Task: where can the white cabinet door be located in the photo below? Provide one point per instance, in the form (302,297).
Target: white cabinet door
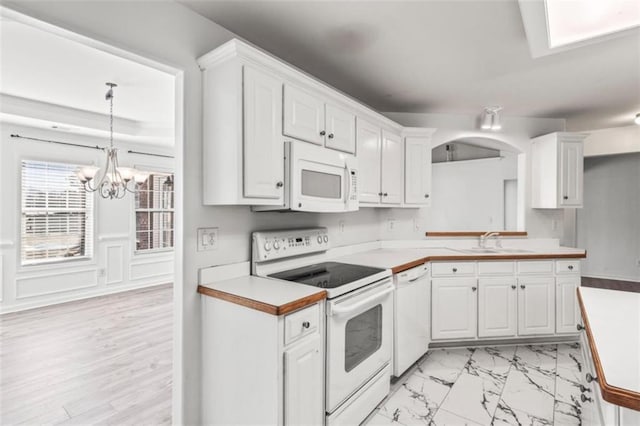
(369,148)
(417,181)
(303,115)
(567,309)
(341,129)
(571,174)
(497,298)
(536,305)
(263,164)
(304,383)
(392,185)
(454,305)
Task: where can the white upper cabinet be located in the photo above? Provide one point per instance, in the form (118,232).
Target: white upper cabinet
(341,129)
(309,118)
(369,138)
(417,166)
(557,170)
(392,183)
(303,116)
(263,145)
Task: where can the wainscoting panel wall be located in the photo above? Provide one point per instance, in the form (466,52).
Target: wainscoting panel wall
(115,264)
(50,283)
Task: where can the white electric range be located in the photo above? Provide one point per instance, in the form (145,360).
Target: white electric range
(359,316)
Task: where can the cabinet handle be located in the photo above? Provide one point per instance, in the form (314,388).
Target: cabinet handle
(380,194)
(455,270)
(571,267)
(591,378)
(565,198)
(583,398)
(513,287)
(426,195)
(522,286)
(385,194)
(330,136)
(279,184)
(322,133)
(306,324)
(583,388)
(474,288)
(580,327)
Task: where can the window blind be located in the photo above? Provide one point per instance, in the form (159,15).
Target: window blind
(154,213)
(57,214)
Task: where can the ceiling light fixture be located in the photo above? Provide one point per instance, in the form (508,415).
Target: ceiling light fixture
(114,180)
(491,118)
(637,119)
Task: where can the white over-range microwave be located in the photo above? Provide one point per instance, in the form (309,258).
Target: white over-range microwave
(317,179)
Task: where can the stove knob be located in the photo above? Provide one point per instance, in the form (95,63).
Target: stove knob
(276,245)
(326,239)
(319,239)
(267,246)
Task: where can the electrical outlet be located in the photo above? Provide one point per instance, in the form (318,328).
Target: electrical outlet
(416,223)
(391,224)
(341,226)
(207,239)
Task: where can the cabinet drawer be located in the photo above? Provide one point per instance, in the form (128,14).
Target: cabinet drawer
(535,267)
(301,323)
(453,269)
(568,267)
(496,268)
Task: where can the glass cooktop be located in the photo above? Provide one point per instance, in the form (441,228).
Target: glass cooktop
(327,274)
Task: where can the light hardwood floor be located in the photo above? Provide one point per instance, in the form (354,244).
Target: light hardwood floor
(105,360)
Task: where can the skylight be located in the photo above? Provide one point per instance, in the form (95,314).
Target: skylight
(572,21)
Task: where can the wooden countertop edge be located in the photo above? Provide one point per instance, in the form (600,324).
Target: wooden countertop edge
(615,395)
(473,233)
(466,257)
(262,306)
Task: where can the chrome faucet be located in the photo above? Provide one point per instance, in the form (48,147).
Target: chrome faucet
(485,237)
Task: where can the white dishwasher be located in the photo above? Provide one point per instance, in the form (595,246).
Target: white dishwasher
(412,316)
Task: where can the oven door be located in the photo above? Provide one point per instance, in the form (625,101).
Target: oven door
(359,339)
(321,180)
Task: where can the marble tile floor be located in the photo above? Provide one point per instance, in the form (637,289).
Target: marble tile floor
(502,385)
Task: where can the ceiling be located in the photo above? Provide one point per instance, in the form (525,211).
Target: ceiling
(441,57)
(45,70)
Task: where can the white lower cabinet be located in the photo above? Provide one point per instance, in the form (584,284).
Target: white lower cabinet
(497,300)
(275,362)
(303,383)
(536,305)
(454,308)
(567,309)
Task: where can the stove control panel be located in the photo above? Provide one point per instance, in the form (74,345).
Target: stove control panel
(272,245)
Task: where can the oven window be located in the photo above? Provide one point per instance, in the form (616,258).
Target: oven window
(321,185)
(363,337)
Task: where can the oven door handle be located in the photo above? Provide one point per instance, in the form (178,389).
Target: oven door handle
(344,310)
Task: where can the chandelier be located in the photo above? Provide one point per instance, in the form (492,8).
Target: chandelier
(112,181)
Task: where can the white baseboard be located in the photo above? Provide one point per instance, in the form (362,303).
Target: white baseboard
(103,291)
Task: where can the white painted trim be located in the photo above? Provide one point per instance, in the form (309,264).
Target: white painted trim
(132,265)
(102,292)
(108,266)
(223,272)
(113,237)
(6,243)
(54,291)
(1,277)
(418,132)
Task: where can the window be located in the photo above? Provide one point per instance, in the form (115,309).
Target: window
(57,214)
(154,213)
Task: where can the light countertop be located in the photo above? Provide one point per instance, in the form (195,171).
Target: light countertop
(612,320)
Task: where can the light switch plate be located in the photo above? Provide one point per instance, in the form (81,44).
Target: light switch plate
(207,239)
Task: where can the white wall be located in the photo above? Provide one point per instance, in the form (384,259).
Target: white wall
(114,266)
(609,224)
(517,132)
(619,140)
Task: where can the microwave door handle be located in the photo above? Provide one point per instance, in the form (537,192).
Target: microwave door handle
(344,310)
(346,167)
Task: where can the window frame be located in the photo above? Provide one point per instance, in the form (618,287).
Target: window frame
(54,263)
(134,229)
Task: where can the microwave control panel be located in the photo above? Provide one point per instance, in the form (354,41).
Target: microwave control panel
(354,186)
(272,245)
